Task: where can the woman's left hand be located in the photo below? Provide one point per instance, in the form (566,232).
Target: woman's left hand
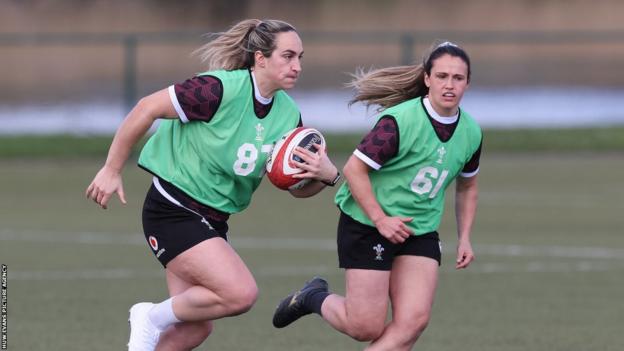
(315,165)
(465,255)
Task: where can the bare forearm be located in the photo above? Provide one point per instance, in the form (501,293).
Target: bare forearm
(136,124)
(108,179)
(356,174)
(466,199)
(128,134)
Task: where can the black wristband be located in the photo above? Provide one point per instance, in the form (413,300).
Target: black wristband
(333,182)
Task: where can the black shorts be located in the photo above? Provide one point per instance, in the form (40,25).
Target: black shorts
(361,246)
(171,229)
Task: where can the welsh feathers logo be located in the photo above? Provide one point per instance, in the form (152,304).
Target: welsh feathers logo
(378,250)
(441,152)
(153,243)
(259,129)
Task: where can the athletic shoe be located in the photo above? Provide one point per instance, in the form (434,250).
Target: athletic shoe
(143,334)
(294,306)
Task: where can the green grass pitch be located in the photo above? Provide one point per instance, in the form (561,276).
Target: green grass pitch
(549,239)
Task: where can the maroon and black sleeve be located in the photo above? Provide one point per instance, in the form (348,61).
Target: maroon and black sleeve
(473,164)
(381,143)
(199,98)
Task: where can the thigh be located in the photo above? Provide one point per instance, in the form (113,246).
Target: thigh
(213,264)
(413,284)
(366,296)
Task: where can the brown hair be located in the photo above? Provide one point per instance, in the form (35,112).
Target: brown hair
(390,86)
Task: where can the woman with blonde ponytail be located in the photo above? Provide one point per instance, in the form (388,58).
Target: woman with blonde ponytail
(215,134)
(393,199)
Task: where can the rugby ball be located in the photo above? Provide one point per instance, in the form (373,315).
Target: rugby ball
(282,163)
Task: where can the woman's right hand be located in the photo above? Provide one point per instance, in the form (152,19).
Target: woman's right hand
(394,228)
(106,182)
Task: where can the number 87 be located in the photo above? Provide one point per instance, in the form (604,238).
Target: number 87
(247,155)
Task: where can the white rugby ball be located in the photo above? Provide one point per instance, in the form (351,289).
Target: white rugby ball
(282,163)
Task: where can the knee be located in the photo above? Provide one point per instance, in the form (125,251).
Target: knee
(241,299)
(420,323)
(366,331)
(412,328)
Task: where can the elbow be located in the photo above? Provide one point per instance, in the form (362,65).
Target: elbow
(145,110)
(154,106)
(143,104)
(465,185)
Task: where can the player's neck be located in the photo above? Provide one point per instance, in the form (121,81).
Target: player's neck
(261,89)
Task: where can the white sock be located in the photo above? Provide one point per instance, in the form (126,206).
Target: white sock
(162,316)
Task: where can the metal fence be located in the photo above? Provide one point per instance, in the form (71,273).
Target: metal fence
(530,57)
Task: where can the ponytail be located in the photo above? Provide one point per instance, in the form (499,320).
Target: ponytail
(387,87)
(235,48)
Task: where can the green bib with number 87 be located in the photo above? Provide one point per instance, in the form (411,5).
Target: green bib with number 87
(220,163)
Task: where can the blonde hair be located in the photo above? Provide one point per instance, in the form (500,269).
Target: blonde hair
(390,86)
(235,48)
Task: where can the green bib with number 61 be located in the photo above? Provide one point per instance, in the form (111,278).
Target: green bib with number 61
(220,163)
(412,184)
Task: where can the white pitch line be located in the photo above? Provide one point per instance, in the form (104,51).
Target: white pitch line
(550,251)
(538,267)
(527,199)
(312,244)
(85,274)
(308,271)
(89,238)
(127,273)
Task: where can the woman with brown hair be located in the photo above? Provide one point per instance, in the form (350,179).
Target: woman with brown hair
(393,199)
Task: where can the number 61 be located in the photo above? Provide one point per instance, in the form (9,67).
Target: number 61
(422,183)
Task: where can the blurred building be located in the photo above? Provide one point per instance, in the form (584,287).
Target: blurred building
(512,42)
(76,50)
